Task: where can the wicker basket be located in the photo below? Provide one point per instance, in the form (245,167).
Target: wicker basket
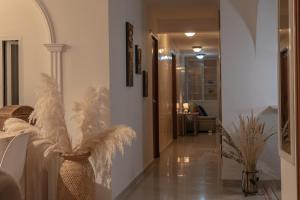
(76,179)
(15,111)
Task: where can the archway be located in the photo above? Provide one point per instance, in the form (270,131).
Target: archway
(31,27)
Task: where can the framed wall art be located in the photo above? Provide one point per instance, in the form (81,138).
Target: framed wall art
(145,83)
(129,54)
(138,60)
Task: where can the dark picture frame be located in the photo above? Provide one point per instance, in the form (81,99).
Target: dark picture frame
(145,83)
(138,60)
(129,54)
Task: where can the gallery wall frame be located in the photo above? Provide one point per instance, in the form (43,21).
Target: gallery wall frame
(138,59)
(129,54)
(145,84)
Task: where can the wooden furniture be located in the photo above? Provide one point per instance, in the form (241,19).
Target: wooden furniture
(183,119)
(206,124)
(15,111)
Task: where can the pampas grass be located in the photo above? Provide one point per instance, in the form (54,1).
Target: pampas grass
(92,116)
(252,139)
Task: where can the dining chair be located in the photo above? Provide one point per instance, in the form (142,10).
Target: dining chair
(13,160)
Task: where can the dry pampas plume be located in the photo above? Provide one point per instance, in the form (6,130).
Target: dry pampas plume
(92,116)
(251,143)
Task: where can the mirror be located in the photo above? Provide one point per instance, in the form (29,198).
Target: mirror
(285,78)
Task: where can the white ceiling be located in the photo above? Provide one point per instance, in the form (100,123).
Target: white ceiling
(174,17)
(208,40)
(185,15)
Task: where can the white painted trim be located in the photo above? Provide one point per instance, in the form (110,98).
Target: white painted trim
(135,180)
(167,145)
(56,51)
(47,19)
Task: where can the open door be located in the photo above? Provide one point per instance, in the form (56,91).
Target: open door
(155,97)
(297,54)
(174,97)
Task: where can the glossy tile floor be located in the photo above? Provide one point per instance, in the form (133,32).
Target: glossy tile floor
(188,170)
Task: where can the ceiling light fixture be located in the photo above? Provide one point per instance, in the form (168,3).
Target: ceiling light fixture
(190,34)
(200,56)
(197,49)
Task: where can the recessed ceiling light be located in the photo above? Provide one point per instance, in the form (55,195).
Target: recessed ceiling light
(197,49)
(200,56)
(190,34)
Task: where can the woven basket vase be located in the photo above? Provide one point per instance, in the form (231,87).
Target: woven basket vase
(76,179)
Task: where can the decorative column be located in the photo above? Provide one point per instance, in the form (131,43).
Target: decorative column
(56,51)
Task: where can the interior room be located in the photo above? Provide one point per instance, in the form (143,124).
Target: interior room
(149,99)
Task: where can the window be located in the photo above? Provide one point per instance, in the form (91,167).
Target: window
(10,72)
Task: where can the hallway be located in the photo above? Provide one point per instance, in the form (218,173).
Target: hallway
(188,170)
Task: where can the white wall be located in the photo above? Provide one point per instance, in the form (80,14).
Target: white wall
(83,27)
(28,26)
(288,181)
(127,103)
(249,69)
(165,94)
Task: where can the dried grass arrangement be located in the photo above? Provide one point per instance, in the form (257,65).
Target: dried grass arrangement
(92,119)
(251,142)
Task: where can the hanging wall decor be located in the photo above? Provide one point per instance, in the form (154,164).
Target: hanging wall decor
(138,60)
(129,54)
(145,83)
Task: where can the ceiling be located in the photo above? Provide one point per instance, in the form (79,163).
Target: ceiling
(208,40)
(184,15)
(175,17)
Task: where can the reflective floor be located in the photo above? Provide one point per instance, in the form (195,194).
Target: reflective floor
(188,170)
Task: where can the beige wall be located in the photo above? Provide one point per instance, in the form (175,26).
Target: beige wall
(83,27)
(128,105)
(249,65)
(165,93)
(288,181)
(28,26)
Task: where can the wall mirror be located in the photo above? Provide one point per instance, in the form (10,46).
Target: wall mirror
(286,81)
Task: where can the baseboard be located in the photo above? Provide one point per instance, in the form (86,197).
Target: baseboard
(140,176)
(135,181)
(165,147)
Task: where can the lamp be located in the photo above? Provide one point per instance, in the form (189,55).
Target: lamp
(197,49)
(186,107)
(200,56)
(190,34)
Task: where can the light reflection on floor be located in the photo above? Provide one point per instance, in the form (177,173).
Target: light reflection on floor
(188,170)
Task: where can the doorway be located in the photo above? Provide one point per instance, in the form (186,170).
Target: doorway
(174,97)
(155,98)
(10,72)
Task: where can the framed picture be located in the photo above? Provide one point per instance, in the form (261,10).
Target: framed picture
(138,60)
(129,54)
(287,84)
(145,83)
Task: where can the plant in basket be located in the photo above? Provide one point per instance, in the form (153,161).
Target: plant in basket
(98,142)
